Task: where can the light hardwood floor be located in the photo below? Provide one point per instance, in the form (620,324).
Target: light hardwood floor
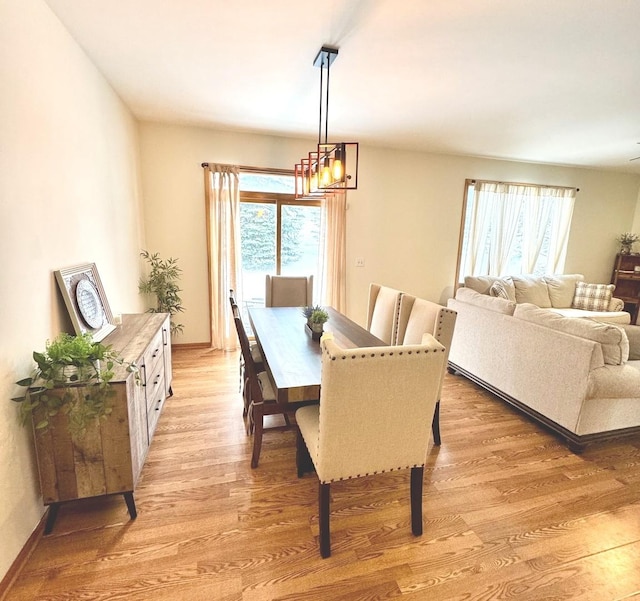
(509,513)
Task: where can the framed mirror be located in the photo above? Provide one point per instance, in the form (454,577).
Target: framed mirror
(85,300)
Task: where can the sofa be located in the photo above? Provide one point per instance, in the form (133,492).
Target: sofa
(566,294)
(580,377)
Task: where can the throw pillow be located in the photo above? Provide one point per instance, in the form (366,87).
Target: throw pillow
(592,297)
(503,288)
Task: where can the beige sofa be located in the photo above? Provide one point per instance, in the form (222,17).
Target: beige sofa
(579,377)
(559,293)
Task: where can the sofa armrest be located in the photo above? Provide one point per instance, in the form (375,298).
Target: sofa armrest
(616,304)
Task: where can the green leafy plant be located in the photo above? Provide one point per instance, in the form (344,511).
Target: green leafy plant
(162,282)
(627,239)
(308,311)
(72,376)
(319,316)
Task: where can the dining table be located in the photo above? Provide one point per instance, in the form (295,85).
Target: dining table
(292,356)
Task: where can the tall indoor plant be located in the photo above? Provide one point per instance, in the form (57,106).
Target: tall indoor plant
(162,282)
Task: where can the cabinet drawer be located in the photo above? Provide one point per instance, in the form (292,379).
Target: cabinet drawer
(154,384)
(155,402)
(153,353)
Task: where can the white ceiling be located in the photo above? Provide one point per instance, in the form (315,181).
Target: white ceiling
(551,81)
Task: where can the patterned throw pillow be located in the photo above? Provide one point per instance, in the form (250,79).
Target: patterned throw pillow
(592,297)
(503,288)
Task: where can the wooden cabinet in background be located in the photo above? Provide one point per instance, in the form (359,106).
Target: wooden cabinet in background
(626,278)
(108,458)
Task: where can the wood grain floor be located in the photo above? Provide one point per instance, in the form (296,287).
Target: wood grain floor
(510,513)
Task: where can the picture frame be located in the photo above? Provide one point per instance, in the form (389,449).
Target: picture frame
(85,300)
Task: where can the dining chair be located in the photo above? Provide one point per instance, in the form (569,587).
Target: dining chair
(382,312)
(417,317)
(259,395)
(376,405)
(288,291)
(256,355)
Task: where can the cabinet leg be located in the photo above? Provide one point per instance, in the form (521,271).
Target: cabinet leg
(51,517)
(131,504)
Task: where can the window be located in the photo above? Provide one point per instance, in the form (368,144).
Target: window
(513,228)
(278,234)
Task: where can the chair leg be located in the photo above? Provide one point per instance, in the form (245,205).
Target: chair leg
(435,425)
(324,503)
(416,500)
(257,411)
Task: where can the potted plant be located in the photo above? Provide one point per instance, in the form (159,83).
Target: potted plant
(627,240)
(72,376)
(318,318)
(162,281)
(308,312)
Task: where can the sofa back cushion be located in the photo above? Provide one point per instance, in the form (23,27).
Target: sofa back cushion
(612,338)
(592,297)
(499,305)
(562,288)
(532,289)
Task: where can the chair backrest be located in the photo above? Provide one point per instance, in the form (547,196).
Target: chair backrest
(251,373)
(376,407)
(382,312)
(418,316)
(288,291)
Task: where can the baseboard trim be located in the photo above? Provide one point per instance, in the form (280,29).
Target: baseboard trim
(20,561)
(190,345)
(576,442)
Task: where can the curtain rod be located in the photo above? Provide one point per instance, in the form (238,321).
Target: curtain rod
(491,181)
(256,169)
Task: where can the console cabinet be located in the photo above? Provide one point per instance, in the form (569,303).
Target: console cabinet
(626,278)
(108,457)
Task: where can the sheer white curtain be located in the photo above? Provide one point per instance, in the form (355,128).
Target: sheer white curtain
(504,203)
(222,197)
(559,203)
(515,228)
(333,259)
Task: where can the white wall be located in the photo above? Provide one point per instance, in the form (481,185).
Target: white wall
(404,219)
(69,194)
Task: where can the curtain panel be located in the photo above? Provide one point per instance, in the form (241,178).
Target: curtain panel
(222,198)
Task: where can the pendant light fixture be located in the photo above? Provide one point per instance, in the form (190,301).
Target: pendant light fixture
(331,166)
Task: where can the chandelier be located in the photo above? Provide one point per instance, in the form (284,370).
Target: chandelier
(331,166)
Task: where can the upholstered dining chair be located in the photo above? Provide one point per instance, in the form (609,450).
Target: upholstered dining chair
(382,312)
(288,291)
(376,405)
(417,317)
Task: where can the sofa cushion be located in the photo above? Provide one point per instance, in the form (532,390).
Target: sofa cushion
(503,288)
(532,289)
(480,283)
(499,305)
(562,288)
(616,317)
(612,338)
(593,297)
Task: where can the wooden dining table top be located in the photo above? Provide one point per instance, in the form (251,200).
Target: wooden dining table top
(292,357)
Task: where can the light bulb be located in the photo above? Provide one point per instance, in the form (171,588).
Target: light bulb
(325,174)
(337,169)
